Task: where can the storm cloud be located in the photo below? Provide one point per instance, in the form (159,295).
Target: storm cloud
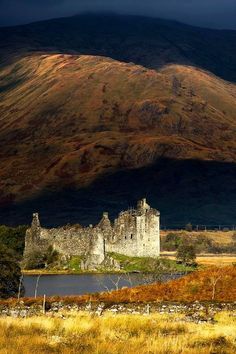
(208,13)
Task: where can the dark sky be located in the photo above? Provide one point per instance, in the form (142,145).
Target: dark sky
(208,13)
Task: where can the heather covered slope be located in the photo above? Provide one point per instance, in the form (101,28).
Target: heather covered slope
(67,120)
(217,284)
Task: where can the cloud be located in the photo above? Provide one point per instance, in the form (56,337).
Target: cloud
(210,13)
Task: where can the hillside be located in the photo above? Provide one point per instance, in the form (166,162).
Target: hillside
(66,120)
(149,42)
(197,286)
(83,133)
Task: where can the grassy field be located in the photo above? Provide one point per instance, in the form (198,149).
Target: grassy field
(216,260)
(207,259)
(110,334)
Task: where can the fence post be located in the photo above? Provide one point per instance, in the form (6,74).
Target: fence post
(20,285)
(44,304)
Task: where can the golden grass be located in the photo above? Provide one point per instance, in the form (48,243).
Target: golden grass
(109,334)
(208,259)
(216,260)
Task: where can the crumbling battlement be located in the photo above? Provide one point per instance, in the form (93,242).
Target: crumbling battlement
(136,232)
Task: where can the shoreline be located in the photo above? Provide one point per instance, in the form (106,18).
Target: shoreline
(69,272)
(203,260)
(34,272)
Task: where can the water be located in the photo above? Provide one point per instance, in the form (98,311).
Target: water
(79,284)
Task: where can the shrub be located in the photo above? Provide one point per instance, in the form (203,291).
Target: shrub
(40,260)
(202,243)
(51,256)
(36,260)
(217,248)
(171,242)
(186,253)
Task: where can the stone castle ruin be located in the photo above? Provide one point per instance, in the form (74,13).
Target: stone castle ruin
(136,232)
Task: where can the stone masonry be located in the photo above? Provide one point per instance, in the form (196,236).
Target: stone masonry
(136,232)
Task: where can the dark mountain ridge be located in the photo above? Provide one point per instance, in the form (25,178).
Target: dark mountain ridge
(149,42)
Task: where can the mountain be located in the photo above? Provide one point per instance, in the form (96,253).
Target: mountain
(97,111)
(149,42)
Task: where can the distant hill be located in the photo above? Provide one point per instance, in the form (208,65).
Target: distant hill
(145,41)
(89,130)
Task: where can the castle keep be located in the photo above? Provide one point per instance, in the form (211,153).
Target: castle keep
(136,232)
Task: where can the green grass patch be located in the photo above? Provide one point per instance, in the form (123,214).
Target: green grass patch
(74,263)
(149,265)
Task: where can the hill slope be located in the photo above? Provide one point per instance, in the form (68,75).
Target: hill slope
(145,41)
(81,133)
(67,120)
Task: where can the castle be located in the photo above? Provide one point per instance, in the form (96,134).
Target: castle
(136,232)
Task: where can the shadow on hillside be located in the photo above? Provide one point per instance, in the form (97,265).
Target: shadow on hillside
(184,191)
(146,41)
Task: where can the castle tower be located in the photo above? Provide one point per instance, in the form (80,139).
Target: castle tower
(105,223)
(142,205)
(33,243)
(35,220)
(147,230)
(35,227)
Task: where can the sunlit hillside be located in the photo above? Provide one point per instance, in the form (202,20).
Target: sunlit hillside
(67,120)
(78,110)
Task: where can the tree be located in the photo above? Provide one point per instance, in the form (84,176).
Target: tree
(13,238)
(10,273)
(186,253)
(215,275)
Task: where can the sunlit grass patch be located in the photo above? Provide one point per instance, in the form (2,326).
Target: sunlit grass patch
(117,334)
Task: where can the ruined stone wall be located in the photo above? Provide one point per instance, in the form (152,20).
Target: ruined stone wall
(67,241)
(135,232)
(124,238)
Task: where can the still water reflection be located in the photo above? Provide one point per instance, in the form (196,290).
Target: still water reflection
(83,283)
